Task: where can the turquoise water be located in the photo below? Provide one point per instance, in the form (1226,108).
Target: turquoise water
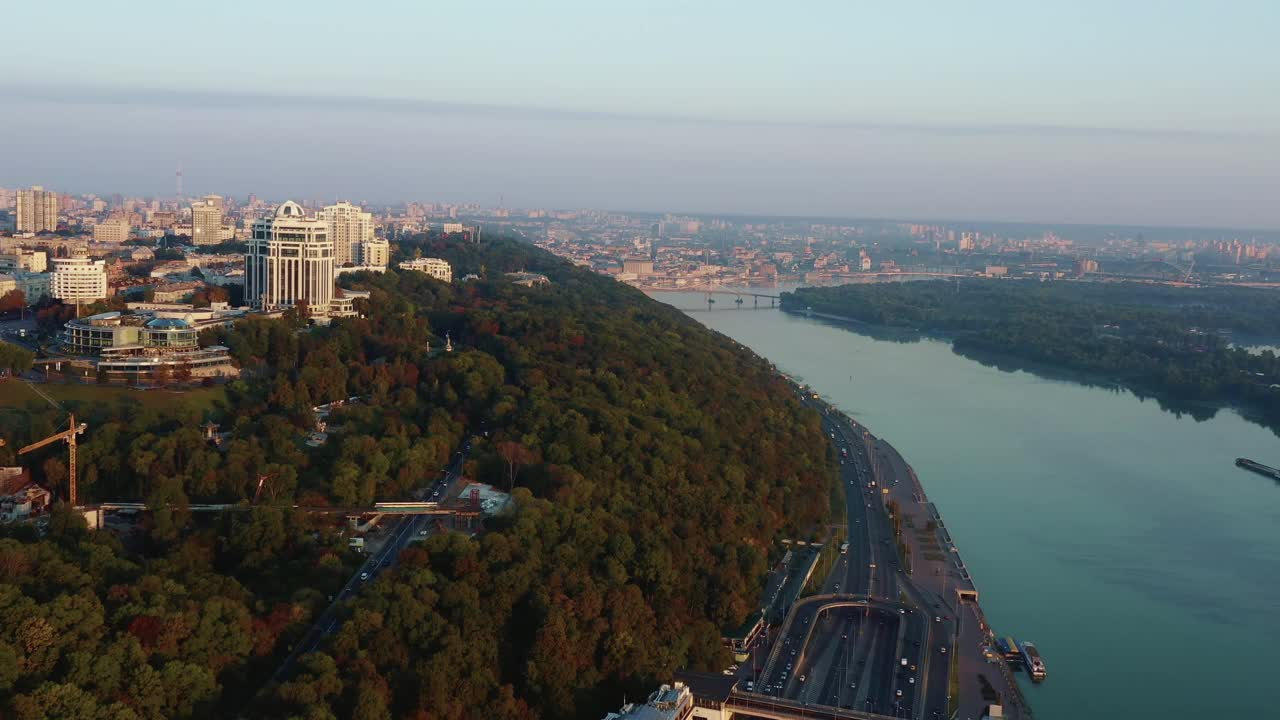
(1118,537)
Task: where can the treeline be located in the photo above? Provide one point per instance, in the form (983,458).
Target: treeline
(653,462)
(1172,341)
(184,626)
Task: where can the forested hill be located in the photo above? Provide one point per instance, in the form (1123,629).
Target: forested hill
(1173,341)
(655,464)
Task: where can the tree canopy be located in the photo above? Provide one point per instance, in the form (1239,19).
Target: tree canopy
(653,464)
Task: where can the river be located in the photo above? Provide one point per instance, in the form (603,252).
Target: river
(1120,538)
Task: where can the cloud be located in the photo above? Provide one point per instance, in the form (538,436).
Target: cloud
(186,99)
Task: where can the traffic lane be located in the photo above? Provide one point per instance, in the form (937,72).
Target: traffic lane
(940,652)
(835,668)
(329,620)
(778,676)
(884,648)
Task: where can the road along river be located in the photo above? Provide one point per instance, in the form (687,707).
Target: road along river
(1116,536)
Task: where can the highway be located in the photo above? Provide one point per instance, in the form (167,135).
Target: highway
(848,656)
(398,536)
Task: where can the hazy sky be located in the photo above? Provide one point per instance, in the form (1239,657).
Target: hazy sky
(1112,112)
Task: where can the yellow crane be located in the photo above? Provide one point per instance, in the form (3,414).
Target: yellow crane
(70,436)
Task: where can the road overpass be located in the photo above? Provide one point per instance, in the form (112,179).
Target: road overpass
(722,698)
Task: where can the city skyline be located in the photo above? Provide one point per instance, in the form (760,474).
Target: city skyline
(997,112)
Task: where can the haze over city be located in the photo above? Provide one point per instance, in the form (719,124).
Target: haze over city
(1143,113)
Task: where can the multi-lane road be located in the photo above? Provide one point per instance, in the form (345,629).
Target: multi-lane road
(871,641)
(397,537)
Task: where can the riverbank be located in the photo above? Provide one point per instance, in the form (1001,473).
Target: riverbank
(1072,504)
(1198,408)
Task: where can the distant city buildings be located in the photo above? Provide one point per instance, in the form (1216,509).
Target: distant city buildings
(638,266)
(290,261)
(37,211)
(435,267)
(79,279)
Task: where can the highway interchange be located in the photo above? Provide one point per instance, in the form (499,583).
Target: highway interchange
(847,646)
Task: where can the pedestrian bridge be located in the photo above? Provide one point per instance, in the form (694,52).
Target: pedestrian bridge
(385,508)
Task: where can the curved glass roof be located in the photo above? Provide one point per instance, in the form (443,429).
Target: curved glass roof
(168,324)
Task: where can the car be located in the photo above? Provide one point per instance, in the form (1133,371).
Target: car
(911,681)
(901,611)
(727,671)
(943,649)
(422,532)
(801,678)
(364,576)
(937,618)
(898,693)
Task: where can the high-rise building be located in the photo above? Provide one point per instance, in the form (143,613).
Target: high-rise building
(290,260)
(349,228)
(115,230)
(37,210)
(375,252)
(78,278)
(206,221)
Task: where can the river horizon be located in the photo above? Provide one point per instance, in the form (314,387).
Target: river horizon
(1116,535)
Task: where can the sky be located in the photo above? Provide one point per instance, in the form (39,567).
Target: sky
(1148,113)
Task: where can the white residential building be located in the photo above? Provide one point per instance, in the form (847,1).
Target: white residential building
(350,227)
(36,261)
(78,278)
(290,260)
(375,252)
(435,267)
(115,230)
(37,210)
(206,221)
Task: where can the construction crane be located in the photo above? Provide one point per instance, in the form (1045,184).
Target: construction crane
(70,436)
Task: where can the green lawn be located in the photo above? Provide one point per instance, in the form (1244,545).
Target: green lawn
(17,394)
